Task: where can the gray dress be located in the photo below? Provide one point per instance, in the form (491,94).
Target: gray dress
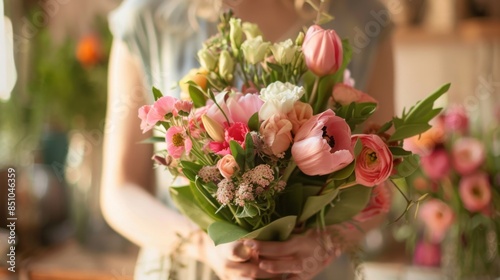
(160,34)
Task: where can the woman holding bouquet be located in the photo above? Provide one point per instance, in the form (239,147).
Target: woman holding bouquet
(155,45)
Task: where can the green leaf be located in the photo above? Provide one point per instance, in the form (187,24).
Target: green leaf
(157,93)
(152,140)
(290,202)
(249,151)
(183,199)
(399,152)
(238,153)
(356,113)
(409,130)
(386,126)
(424,106)
(325,88)
(348,203)
(275,67)
(248,211)
(343,173)
(253,122)
(208,203)
(279,230)
(358,147)
(407,166)
(197,95)
(314,204)
(190,169)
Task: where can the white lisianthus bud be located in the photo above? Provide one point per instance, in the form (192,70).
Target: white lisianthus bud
(254,50)
(300,39)
(284,52)
(235,33)
(279,98)
(251,30)
(208,59)
(226,65)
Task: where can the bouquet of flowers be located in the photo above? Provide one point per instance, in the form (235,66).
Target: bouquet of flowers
(265,135)
(460,174)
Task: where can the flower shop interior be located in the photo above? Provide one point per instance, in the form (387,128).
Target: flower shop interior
(53,98)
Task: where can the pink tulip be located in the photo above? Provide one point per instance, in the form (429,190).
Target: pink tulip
(177,141)
(235,131)
(475,191)
(238,107)
(143,115)
(436,164)
(345,95)
(322,51)
(322,145)
(276,134)
(163,107)
(374,163)
(437,217)
(380,202)
(456,119)
(427,254)
(467,155)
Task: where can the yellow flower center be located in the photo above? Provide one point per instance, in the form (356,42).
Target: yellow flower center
(371,157)
(178,139)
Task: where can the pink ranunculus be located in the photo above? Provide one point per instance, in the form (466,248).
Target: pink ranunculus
(177,141)
(143,115)
(227,166)
(322,145)
(322,51)
(299,115)
(235,131)
(456,119)
(238,107)
(276,134)
(436,165)
(475,191)
(467,155)
(161,109)
(345,95)
(427,254)
(182,107)
(380,202)
(374,163)
(437,217)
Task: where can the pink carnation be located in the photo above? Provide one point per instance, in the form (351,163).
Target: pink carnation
(467,155)
(475,191)
(345,95)
(237,132)
(436,164)
(456,119)
(437,217)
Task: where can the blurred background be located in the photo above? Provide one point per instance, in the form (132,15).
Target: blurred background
(51,126)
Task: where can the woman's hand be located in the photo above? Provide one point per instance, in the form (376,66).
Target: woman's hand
(300,257)
(231,260)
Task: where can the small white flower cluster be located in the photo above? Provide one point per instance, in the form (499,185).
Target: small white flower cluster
(209,174)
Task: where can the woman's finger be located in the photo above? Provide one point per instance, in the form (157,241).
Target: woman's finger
(235,270)
(272,249)
(281,266)
(235,251)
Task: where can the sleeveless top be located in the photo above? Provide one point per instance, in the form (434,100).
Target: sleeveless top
(161,35)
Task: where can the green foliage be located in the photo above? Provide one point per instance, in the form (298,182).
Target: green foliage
(349,202)
(356,113)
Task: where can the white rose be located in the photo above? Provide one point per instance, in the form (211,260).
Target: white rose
(284,52)
(255,49)
(279,98)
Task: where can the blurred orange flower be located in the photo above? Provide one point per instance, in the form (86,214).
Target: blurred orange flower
(89,50)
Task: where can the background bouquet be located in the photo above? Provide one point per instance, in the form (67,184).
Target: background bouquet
(460,172)
(269,136)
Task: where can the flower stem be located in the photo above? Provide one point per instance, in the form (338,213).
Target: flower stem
(314,91)
(347,185)
(238,221)
(288,171)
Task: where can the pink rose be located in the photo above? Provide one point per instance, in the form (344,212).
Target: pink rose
(235,131)
(227,166)
(456,119)
(299,115)
(276,134)
(437,217)
(436,164)
(345,95)
(475,191)
(322,51)
(143,115)
(374,163)
(380,202)
(177,141)
(427,254)
(467,155)
(322,145)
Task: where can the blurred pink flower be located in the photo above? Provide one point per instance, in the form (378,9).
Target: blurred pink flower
(238,107)
(162,108)
(456,119)
(380,202)
(467,155)
(177,141)
(182,107)
(437,217)
(345,95)
(427,254)
(374,163)
(143,115)
(235,131)
(195,123)
(322,50)
(348,80)
(436,165)
(322,145)
(227,166)
(276,134)
(475,191)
